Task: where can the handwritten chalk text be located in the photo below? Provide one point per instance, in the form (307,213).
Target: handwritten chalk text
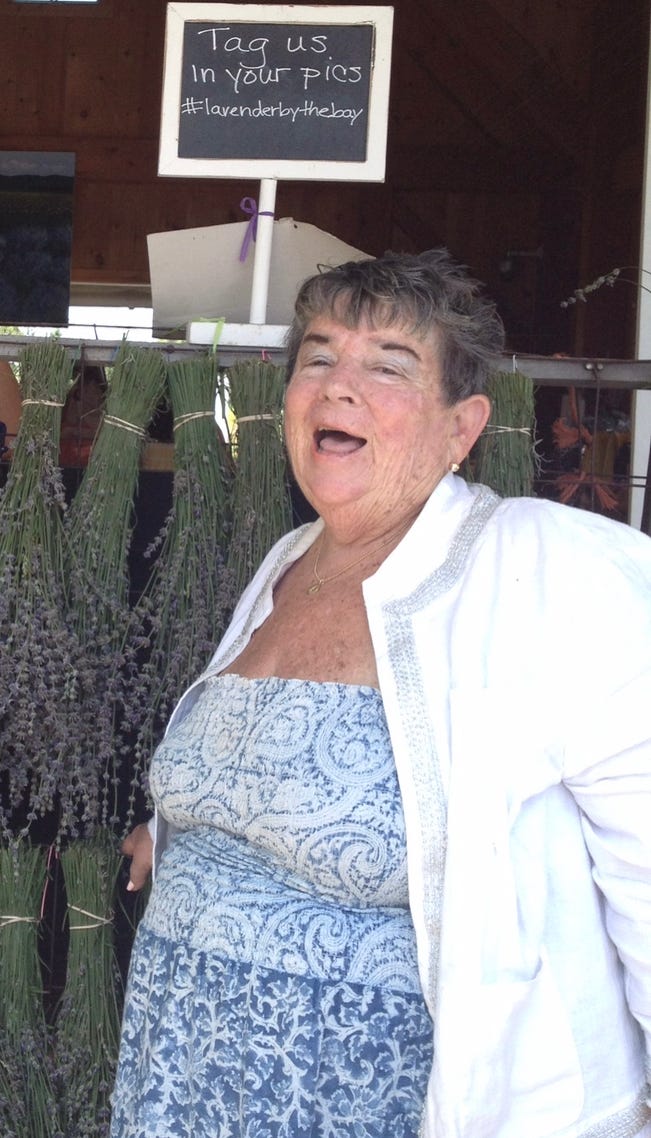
(250,64)
(258,45)
(249,76)
(309,109)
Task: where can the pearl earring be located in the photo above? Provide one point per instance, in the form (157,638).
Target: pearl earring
(454,466)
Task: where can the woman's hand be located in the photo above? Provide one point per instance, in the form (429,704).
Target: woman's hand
(139,847)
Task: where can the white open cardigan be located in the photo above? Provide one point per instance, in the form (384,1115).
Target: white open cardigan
(513,648)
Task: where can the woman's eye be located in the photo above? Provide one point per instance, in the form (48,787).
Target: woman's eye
(386,369)
(317,361)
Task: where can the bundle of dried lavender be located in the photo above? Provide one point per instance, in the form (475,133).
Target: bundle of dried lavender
(27,1102)
(261,507)
(87,1026)
(40,657)
(506,451)
(189,596)
(98,528)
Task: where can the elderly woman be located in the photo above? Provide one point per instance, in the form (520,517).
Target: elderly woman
(403,836)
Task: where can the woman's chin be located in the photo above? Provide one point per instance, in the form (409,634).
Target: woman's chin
(337,485)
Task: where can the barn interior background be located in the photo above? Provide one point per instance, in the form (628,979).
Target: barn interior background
(516,139)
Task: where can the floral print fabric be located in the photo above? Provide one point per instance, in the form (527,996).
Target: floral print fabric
(273,989)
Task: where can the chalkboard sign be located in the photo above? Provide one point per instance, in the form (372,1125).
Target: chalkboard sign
(275,91)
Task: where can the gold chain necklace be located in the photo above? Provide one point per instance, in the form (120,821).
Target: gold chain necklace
(319,581)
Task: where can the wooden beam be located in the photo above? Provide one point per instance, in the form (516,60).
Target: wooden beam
(440,167)
(492,73)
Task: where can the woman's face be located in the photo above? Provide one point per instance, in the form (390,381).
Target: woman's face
(368,430)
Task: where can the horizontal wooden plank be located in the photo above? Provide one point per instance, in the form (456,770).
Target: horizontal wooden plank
(493,73)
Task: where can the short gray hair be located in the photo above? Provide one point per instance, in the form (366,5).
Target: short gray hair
(425,292)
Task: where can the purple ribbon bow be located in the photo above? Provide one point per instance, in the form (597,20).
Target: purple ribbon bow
(249,206)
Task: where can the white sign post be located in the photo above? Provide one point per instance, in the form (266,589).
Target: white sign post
(263,246)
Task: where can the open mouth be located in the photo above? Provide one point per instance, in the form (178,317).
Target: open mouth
(337,442)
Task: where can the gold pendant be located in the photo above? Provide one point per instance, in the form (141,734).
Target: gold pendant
(314,588)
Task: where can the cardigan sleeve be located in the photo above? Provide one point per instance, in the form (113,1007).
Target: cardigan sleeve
(608,770)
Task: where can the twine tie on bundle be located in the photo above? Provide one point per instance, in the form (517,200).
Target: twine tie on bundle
(97,921)
(113,421)
(42,403)
(190,416)
(6,920)
(256,418)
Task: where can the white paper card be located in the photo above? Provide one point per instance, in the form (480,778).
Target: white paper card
(197,274)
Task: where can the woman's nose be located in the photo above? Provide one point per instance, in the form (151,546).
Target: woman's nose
(340,383)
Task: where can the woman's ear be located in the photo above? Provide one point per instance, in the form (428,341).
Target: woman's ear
(468,421)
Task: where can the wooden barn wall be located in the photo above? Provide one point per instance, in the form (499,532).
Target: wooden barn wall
(515,125)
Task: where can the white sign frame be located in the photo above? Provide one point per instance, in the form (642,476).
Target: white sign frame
(372,169)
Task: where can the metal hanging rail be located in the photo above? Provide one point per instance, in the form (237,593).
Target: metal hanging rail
(545,371)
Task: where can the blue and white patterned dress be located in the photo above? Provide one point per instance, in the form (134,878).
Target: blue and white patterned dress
(273,988)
